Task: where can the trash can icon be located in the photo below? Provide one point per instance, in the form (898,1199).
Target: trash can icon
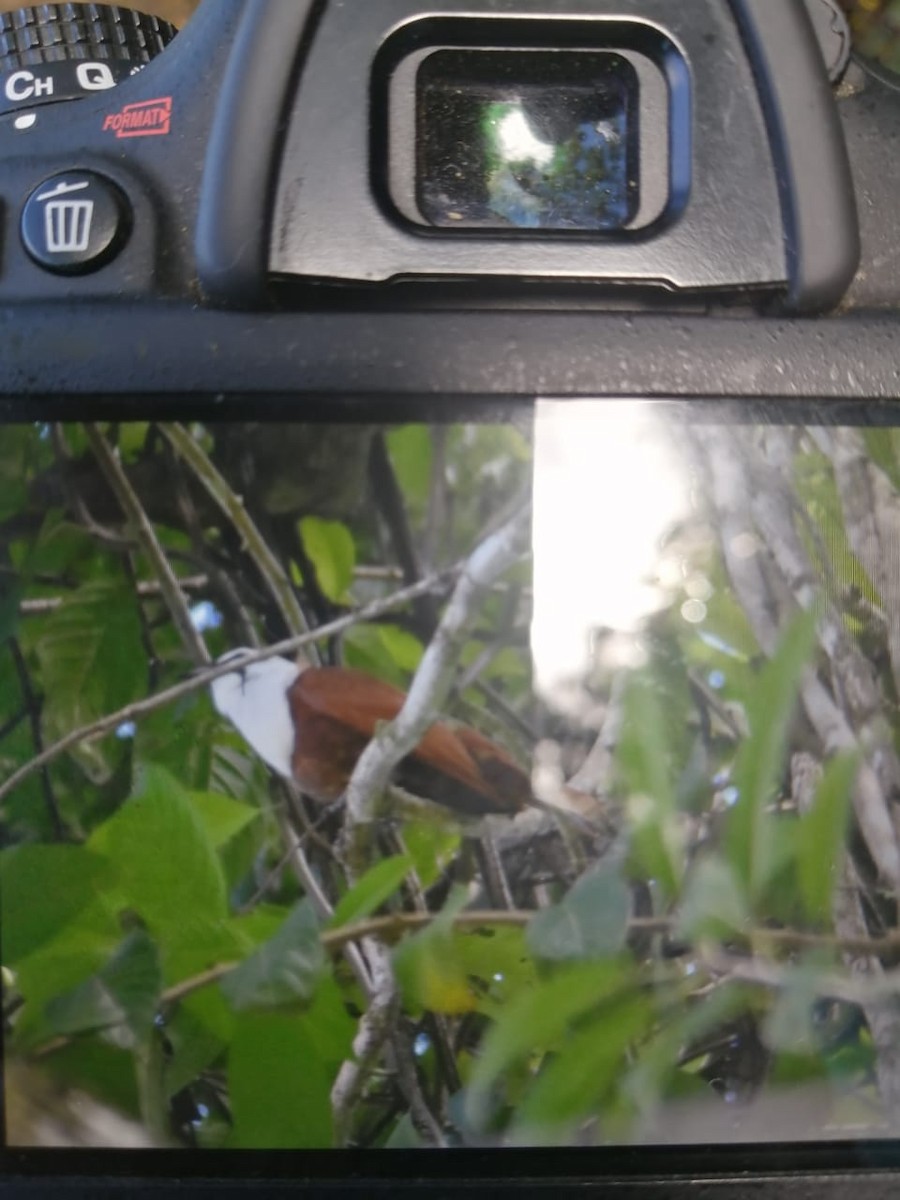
(67,222)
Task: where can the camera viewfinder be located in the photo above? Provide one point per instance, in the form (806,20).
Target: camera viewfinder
(527,139)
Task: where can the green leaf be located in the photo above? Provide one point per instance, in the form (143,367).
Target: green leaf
(645,761)
(192,1043)
(123,996)
(169,870)
(91,657)
(60,548)
(821,836)
(60,966)
(536,1020)
(332,551)
(431,848)
(377,885)
(281,1068)
(587,1068)
(715,904)
(283,971)
(496,959)
(751,837)
(883,447)
(327,1020)
(131,439)
(222,817)
(431,971)
(410,452)
(591,921)
(279,1086)
(789,1025)
(259,925)
(404,647)
(387,651)
(44,889)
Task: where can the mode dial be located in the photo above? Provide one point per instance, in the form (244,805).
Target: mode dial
(54,52)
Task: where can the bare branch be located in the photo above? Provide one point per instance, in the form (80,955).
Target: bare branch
(374,1030)
(833,986)
(233,507)
(198,682)
(771,578)
(146,587)
(33,711)
(309,883)
(871,509)
(430,686)
(140,522)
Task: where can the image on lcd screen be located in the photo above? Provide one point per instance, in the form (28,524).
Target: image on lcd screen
(527,140)
(632,876)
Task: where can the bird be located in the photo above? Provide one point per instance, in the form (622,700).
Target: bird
(311,725)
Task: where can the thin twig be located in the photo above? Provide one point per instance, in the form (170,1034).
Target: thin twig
(187,987)
(424,1121)
(13,723)
(392,505)
(374,1030)
(146,587)
(140,522)
(233,507)
(394,925)
(198,682)
(220,580)
(306,878)
(835,987)
(33,710)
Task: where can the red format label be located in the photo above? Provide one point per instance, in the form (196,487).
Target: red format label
(149,118)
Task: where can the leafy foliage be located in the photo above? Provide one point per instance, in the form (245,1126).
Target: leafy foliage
(167,956)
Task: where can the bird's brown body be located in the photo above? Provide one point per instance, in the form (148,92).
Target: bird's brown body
(336,711)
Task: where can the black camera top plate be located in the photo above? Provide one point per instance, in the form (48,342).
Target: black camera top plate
(143,325)
(762,198)
(770,204)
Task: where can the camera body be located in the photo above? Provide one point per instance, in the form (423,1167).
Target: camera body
(278,209)
(364,211)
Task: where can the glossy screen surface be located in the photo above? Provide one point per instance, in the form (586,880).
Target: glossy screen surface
(679,623)
(527,140)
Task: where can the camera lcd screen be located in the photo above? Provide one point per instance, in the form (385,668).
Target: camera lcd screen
(533,140)
(637,886)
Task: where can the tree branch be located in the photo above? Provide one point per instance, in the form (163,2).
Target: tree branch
(198,682)
(145,587)
(430,686)
(233,508)
(369,781)
(33,712)
(140,522)
(748,523)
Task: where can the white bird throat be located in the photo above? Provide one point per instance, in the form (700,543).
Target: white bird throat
(254,699)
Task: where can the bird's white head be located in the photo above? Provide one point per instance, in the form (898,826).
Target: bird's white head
(254,699)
